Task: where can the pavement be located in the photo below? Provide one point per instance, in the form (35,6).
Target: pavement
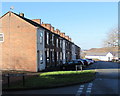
(106,84)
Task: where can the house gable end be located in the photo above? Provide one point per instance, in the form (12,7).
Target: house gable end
(109,55)
(14,15)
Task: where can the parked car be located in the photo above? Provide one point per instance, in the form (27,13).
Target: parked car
(71,62)
(88,61)
(82,62)
(78,62)
(92,61)
(71,65)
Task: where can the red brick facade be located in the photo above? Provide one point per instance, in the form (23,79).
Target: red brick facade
(19,49)
(19,46)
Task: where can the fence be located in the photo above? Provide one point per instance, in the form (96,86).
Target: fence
(8,79)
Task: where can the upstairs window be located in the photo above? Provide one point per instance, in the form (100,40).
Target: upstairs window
(1,37)
(47,38)
(41,37)
(52,39)
(60,43)
(53,55)
(56,42)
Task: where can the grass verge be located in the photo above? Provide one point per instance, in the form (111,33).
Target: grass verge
(54,79)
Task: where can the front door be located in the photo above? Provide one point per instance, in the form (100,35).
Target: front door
(41,61)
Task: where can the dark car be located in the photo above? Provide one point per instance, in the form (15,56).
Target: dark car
(78,63)
(85,62)
(71,65)
(92,61)
(71,62)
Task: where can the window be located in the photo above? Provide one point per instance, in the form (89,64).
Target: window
(56,42)
(47,38)
(1,37)
(57,56)
(41,57)
(52,39)
(64,44)
(60,43)
(53,55)
(41,37)
(60,55)
(48,55)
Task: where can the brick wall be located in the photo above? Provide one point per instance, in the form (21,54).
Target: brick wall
(19,46)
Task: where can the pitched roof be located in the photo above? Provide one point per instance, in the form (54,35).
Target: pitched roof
(96,54)
(114,54)
(101,54)
(33,23)
(28,20)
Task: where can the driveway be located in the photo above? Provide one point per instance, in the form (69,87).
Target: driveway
(105,84)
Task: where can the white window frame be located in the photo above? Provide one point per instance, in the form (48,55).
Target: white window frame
(41,57)
(41,37)
(2,36)
(52,39)
(47,38)
(57,42)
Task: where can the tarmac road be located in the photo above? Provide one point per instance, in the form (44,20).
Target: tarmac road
(105,84)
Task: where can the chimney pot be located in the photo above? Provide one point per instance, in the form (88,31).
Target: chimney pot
(21,14)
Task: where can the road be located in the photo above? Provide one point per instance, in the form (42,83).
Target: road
(105,84)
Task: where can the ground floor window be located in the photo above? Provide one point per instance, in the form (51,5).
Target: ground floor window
(41,57)
(53,56)
(1,37)
(48,56)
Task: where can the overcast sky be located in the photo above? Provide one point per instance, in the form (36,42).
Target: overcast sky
(85,22)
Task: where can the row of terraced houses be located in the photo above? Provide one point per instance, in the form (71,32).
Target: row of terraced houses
(32,45)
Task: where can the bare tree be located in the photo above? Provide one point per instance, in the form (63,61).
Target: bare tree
(112,38)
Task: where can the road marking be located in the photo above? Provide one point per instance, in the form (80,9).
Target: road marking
(80,90)
(89,88)
(81,85)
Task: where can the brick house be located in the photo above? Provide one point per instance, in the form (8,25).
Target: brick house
(30,45)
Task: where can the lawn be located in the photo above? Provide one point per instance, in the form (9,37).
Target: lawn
(54,79)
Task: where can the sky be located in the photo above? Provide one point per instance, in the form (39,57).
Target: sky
(87,23)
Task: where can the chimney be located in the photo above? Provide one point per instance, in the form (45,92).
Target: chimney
(37,21)
(21,14)
(70,39)
(57,31)
(47,26)
(67,37)
(61,34)
(52,29)
(43,24)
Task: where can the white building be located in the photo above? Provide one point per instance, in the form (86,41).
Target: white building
(108,56)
